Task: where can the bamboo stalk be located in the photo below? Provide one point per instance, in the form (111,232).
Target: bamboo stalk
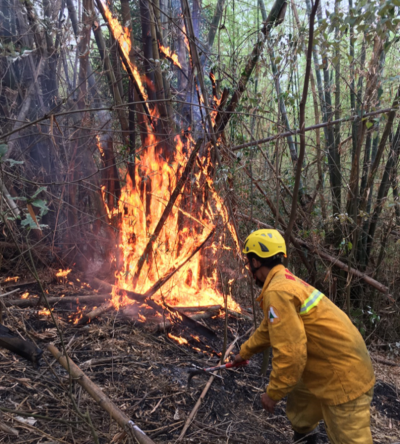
(205,390)
(97,394)
(303,101)
(126,63)
(311,128)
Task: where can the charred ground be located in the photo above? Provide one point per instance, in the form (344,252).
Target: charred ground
(145,374)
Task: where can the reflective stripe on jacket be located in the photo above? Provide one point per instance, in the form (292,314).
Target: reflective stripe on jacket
(312,339)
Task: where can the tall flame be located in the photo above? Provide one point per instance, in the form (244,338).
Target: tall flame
(195,212)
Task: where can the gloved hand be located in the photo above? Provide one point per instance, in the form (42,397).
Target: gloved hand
(237,359)
(268,403)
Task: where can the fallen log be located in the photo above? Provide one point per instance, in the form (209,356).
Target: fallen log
(97,394)
(23,303)
(197,309)
(334,261)
(26,349)
(167,325)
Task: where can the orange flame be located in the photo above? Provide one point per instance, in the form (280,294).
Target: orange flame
(25,295)
(99,146)
(44,312)
(11,279)
(63,273)
(79,313)
(141,205)
(178,339)
(171,55)
(121,34)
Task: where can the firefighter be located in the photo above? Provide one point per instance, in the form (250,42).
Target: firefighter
(320,361)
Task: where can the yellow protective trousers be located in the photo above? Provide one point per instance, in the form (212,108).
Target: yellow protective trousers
(347,423)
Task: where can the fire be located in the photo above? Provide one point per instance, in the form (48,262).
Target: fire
(25,295)
(139,217)
(11,279)
(79,313)
(122,36)
(142,318)
(196,211)
(44,312)
(178,339)
(171,55)
(63,273)
(186,40)
(99,146)
(119,300)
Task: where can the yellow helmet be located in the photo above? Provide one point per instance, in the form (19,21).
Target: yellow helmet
(265,243)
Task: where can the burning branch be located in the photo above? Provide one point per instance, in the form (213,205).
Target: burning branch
(147,253)
(27,349)
(124,49)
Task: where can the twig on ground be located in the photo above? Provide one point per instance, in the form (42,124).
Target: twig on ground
(205,390)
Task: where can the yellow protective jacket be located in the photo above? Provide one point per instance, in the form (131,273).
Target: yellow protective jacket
(311,339)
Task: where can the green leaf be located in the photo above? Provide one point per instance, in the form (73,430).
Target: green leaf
(39,203)
(369,125)
(39,190)
(3,149)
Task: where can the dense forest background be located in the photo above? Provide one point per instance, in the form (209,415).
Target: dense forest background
(79,113)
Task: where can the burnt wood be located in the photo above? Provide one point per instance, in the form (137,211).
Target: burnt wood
(26,349)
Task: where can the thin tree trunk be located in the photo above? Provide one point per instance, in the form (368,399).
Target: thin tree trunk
(276,16)
(302,122)
(114,90)
(327,114)
(390,172)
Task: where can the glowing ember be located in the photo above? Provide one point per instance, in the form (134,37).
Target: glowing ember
(178,339)
(11,279)
(80,314)
(142,318)
(44,312)
(25,295)
(63,273)
(171,55)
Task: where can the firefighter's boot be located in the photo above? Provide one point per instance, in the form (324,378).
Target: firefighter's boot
(305,439)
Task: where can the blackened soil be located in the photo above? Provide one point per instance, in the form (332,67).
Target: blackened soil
(387,400)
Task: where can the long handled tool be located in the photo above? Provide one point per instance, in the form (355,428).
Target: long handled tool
(205,371)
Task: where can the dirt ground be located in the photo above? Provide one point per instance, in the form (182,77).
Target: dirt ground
(145,374)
